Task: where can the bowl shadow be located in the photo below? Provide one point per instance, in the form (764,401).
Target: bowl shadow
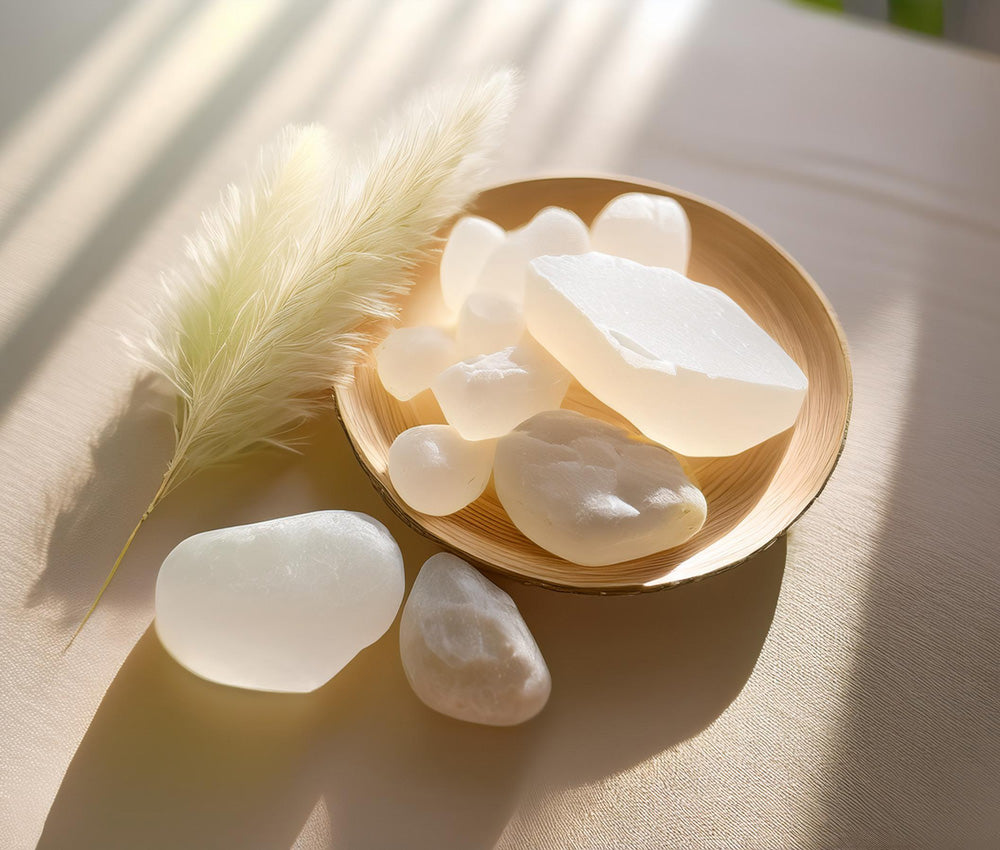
(634,676)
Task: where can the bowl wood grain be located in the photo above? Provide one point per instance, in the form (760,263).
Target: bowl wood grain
(752,497)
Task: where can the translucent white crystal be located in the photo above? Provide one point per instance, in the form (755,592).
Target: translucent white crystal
(488,395)
(649,229)
(488,322)
(552,231)
(411,358)
(466,650)
(592,493)
(436,472)
(281,605)
(469,245)
(681,360)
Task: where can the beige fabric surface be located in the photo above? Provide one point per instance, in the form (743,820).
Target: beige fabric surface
(839,691)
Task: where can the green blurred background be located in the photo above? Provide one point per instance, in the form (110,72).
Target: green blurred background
(975,23)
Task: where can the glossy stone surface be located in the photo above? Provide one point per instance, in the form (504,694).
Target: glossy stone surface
(471,242)
(682,361)
(592,493)
(466,650)
(409,359)
(553,230)
(436,472)
(488,322)
(488,395)
(649,229)
(280,605)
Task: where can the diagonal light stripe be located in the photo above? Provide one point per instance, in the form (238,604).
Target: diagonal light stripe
(132,138)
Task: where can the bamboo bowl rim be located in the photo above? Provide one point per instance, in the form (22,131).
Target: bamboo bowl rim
(586,194)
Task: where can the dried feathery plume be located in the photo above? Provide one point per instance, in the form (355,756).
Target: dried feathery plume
(287,277)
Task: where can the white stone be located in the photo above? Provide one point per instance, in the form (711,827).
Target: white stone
(471,242)
(681,360)
(488,395)
(591,492)
(488,322)
(436,472)
(552,231)
(466,650)
(281,605)
(649,229)
(409,359)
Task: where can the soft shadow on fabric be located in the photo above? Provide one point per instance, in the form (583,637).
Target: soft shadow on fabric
(91,514)
(634,676)
(172,761)
(920,743)
(37,54)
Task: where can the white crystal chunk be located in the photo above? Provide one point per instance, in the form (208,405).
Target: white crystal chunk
(649,229)
(409,359)
(488,322)
(591,492)
(466,650)
(281,605)
(471,241)
(488,395)
(436,472)
(552,231)
(681,360)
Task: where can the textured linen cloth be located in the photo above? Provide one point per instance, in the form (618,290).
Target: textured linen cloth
(838,691)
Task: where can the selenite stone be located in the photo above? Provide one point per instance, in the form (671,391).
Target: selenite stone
(487,395)
(552,231)
(681,360)
(436,472)
(281,605)
(488,322)
(649,229)
(409,359)
(466,650)
(471,242)
(591,492)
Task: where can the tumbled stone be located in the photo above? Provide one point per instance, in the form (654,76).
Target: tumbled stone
(280,605)
(682,361)
(488,395)
(466,650)
(471,242)
(591,492)
(649,229)
(436,472)
(488,323)
(409,359)
(554,230)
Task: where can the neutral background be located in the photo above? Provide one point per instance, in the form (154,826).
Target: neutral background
(840,691)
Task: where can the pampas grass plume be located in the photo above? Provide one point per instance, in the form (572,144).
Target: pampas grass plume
(286,278)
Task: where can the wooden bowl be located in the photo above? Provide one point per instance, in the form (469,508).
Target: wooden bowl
(752,497)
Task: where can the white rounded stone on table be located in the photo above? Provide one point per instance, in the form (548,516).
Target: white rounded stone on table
(466,649)
(553,230)
(680,360)
(591,492)
(471,242)
(436,472)
(488,395)
(281,605)
(650,229)
(409,359)
(488,322)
